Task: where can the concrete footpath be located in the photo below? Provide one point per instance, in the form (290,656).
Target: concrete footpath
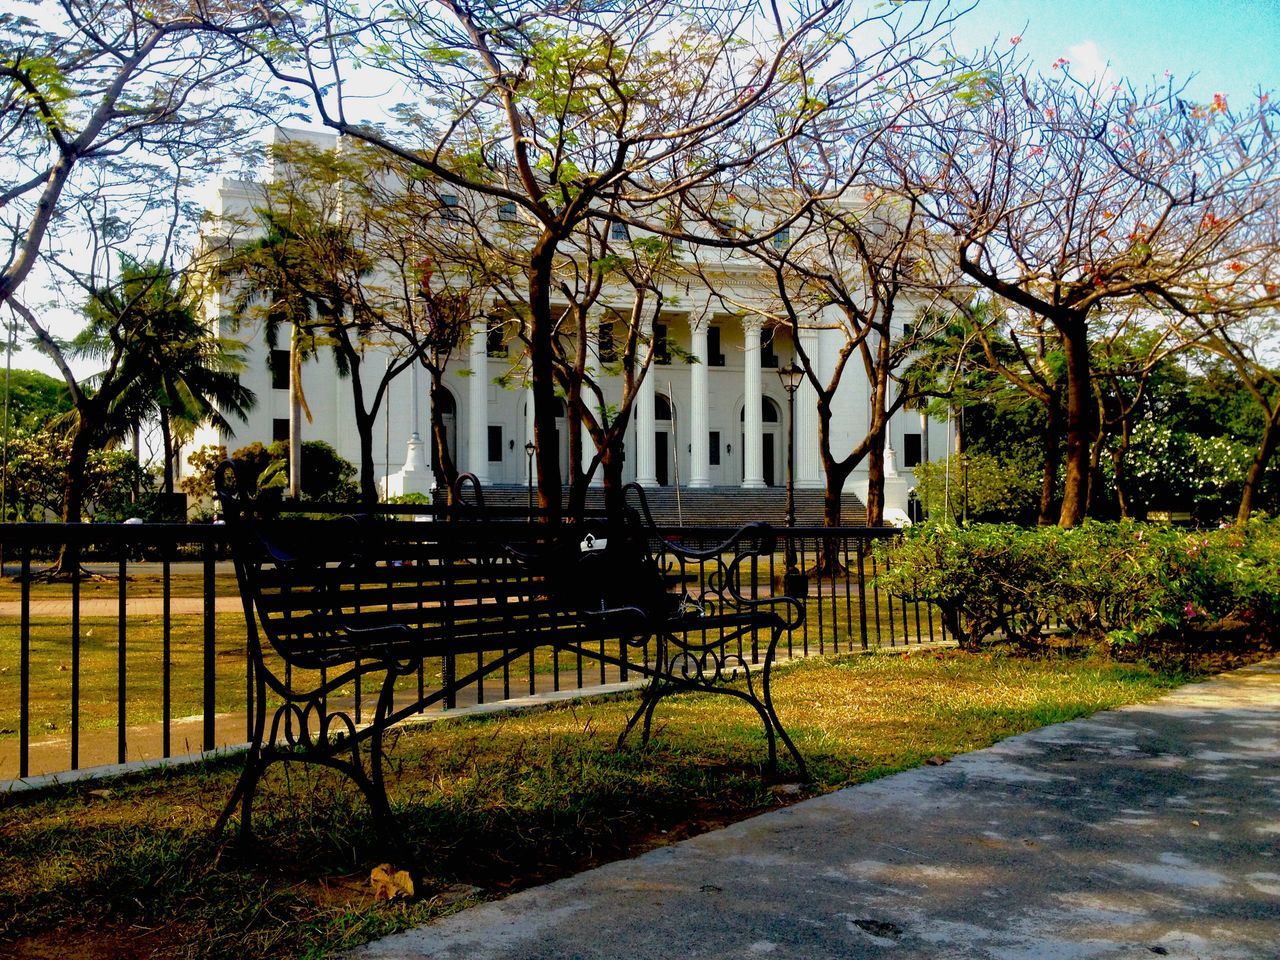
(1148,831)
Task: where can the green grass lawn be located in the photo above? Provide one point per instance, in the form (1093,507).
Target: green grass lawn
(488,805)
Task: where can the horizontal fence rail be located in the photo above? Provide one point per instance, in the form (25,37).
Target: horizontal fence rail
(139,651)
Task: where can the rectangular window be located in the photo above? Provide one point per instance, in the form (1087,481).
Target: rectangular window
(660,352)
(495,443)
(605,347)
(713,446)
(714,357)
(495,344)
(507,211)
(617,231)
(279,429)
(768,359)
(279,363)
(908,331)
(782,238)
(911,449)
(449,207)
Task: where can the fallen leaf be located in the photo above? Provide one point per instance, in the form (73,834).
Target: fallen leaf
(390,883)
(937,760)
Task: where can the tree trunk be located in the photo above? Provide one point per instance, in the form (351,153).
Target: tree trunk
(1080,417)
(73,495)
(542,375)
(1119,461)
(166,434)
(443,466)
(366,421)
(875,481)
(611,476)
(1052,460)
(1270,439)
(136,429)
(835,473)
(295,416)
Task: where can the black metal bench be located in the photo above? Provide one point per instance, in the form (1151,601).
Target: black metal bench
(329,602)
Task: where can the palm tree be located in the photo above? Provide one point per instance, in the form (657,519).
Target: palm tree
(175,371)
(276,261)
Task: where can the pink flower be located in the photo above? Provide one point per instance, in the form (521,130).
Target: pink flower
(1189,611)
(1015,40)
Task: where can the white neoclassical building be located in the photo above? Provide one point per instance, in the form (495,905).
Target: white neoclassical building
(720,421)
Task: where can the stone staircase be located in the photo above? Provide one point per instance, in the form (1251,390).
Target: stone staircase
(711,506)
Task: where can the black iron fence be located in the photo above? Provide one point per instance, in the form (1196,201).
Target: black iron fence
(139,651)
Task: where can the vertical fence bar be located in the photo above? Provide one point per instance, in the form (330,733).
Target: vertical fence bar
(210,657)
(848,593)
(24,668)
(166,661)
(804,627)
(121,663)
(875,591)
(862,591)
(75,667)
(755,595)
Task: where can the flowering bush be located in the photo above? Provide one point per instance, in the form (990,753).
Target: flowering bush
(1126,581)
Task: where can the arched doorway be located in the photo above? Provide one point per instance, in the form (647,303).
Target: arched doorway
(663,443)
(770,441)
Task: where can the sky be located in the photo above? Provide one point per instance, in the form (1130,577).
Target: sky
(1230,47)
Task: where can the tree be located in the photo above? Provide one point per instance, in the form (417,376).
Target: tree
(1248,345)
(574,113)
(1069,199)
(180,375)
(1001,374)
(113,97)
(35,399)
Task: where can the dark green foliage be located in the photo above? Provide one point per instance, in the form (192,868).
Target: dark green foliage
(326,476)
(1126,581)
(35,400)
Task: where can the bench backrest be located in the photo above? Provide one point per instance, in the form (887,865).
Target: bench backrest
(318,589)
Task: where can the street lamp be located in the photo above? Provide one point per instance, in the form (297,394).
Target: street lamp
(529,448)
(794,582)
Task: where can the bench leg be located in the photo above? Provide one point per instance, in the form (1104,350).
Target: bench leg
(242,796)
(649,698)
(766,692)
(667,681)
(256,761)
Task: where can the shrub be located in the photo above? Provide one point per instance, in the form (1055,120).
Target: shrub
(1126,581)
(326,476)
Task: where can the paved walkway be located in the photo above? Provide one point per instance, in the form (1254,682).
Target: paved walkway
(1150,831)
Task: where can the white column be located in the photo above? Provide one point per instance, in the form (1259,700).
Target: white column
(646,474)
(808,458)
(699,398)
(752,422)
(478,401)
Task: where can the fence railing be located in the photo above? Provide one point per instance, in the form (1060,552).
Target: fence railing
(139,652)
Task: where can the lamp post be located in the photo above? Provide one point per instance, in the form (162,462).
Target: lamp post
(794,582)
(529,449)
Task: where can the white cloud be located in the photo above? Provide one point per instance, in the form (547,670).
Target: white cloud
(1088,63)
